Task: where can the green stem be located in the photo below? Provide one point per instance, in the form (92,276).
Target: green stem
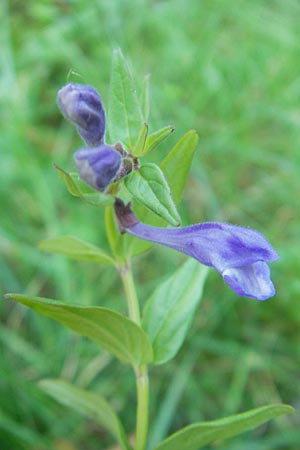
(141,373)
(131,295)
(142,385)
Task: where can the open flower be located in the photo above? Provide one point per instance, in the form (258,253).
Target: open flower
(98,166)
(239,254)
(82,105)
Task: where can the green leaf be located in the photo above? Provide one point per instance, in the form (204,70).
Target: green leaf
(169,311)
(141,141)
(80,184)
(156,138)
(145,99)
(114,332)
(115,238)
(75,248)
(176,165)
(124,118)
(89,404)
(74,186)
(200,434)
(148,185)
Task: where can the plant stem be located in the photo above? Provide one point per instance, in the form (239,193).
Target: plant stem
(131,295)
(141,373)
(142,385)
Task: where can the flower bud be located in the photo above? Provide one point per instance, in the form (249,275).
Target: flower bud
(98,166)
(82,105)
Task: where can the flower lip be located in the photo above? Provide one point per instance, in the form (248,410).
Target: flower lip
(251,281)
(82,105)
(239,254)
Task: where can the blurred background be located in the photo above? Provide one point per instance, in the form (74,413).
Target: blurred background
(230,70)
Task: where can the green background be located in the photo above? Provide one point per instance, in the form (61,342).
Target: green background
(230,70)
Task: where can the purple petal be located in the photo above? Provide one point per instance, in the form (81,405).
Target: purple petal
(251,281)
(238,254)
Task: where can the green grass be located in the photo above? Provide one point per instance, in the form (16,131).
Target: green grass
(229,69)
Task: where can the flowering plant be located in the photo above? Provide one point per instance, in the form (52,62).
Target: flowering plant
(113,176)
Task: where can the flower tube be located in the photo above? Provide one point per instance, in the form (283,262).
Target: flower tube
(241,255)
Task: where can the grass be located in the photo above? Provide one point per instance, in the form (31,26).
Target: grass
(229,70)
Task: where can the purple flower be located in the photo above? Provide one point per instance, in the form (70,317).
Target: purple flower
(82,105)
(239,254)
(98,166)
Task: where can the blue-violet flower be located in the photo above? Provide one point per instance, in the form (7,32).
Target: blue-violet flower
(82,105)
(98,166)
(239,254)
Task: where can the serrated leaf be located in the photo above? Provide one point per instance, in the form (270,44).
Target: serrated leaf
(114,332)
(89,404)
(75,248)
(169,310)
(88,196)
(200,434)
(124,118)
(148,185)
(139,146)
(156,138)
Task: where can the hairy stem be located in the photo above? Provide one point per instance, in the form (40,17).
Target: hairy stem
(141,373)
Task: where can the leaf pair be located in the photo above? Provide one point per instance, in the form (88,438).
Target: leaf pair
(126,122)
(167,314)
(192,437)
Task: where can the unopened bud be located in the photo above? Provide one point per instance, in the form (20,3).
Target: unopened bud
(82,105)
(98,166)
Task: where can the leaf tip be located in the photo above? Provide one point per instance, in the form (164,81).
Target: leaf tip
(289,409)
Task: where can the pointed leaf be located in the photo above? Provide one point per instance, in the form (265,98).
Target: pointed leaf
(176,165)
(89,404)
(124,118)
(114,332)
(148,185)
(75,248)
(200,434)
(89,196)
(138,149)
(169,311)
(156,138)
